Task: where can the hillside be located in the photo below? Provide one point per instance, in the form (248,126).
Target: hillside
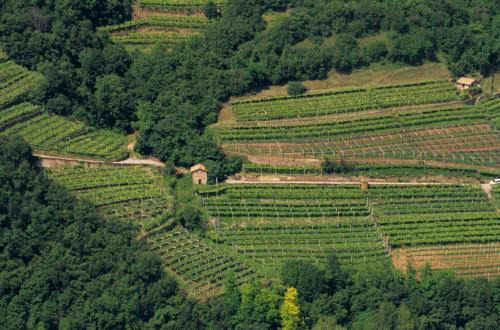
(49,133)
(163,23)
(420,123)
(249,164)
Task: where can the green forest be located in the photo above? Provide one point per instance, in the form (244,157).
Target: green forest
(63,265)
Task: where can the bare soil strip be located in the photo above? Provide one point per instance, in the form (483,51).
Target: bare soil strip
(467,258)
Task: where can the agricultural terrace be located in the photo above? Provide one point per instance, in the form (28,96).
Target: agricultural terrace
(132,193)
(178,5)
(372,170)
(200,265)
(16,82)
(421,126)
(57,135)
(467,260)
(270,223)
(496,196)
(492,108)
(46,132)
(321,103)
(157,28)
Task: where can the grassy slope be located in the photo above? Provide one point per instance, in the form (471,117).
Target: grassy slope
(375,75)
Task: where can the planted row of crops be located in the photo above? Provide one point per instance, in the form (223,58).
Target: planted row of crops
(270,223)
(335,102)
(56,134)
(177,5)
(126,192)
(355,127)
(492,108)
(46,132)
(459,135)
(159,21)
(469,260)
(202,266)
(370,170)
(15,83)
(163,38)
(435,214)
(161,29)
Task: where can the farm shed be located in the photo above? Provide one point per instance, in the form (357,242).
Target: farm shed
(466,83)
(199,174)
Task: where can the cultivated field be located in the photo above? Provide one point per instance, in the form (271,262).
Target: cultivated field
(138,194)
(404,124)
(131,193)
(15,83)
(271,223)
(177,5)
(160,22)
(201,265)
(467,260)
(47,132)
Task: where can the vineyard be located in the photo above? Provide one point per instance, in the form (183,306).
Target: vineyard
(270,223)
(15,83)
(371,170)
(335,102)
(177,5)
(157,28)
(46,132)
(131,193)
(199,264)
(434,215)
(139,195)
(56,134)
(415,123)
(467,260)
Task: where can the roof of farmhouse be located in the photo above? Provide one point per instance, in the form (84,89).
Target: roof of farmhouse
(198,167)
(466,81)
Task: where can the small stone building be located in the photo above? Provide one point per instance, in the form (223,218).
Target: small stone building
(466,83)
(199,174)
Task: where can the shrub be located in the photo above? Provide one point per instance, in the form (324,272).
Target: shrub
(296,88)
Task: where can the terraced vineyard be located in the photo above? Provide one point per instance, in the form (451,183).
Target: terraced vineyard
(178,5)
(15,83)
(201,265)
(449,227)
(372,170)
(56,134)
(348,127)
(435,215)
(131,193)
(270,223)
(345,101)
(138,194)
(467,260)
(156,27)
(492,108)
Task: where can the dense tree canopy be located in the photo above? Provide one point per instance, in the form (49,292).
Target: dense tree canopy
(63,266)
